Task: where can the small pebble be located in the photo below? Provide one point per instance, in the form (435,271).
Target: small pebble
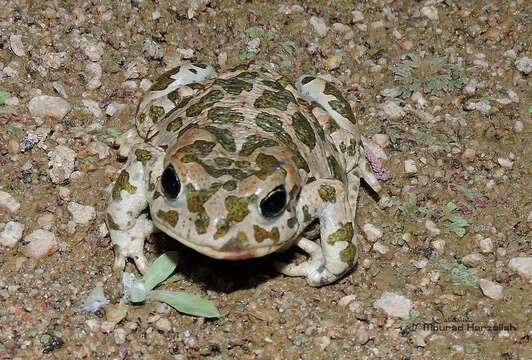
(469,154)
(52,106)
(40,243)
(163,324)
(357,15)
(11,233)
(505,163)
(523,266)
(332,62)
(319,26)
(8,202)
(430,12)
(346,300)
(524,65)
(432,228)
(94,51)
(392,110)
(471,260)
(491,289)
(93,325)
(486,245)
(394,305)
(380,248)
(372,232)
(518,126)
(119,334)
(361,334)
(81,214)
(438,246)
(61,163)
(410,167)
(15,42)
(99,148)
(381,139)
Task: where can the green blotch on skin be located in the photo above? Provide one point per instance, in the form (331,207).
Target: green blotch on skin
(156,113)
(170,217)
(164,80)
(339,105)
(304,131)
(122,183)
(273,84)
(205,102)
(223,162)
(292,222)
(199,148)
(294,193)
(349,254)
(254,142)
(222,227)
(327,193)
(224,115)
(111,223)
(230,185)
(237,208)
(174,125)
(273,124)
(247,75)
(306,214)
(262,234)
(143,155)
(344,233)
(267,164)
(278,100)
(300,162)
(184,101)
(234,86)
(195,201)
(223,136)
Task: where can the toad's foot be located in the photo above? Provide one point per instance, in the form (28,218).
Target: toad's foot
(313,269)
(130,243)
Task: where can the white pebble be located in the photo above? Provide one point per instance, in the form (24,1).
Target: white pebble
(438,246)
(40,243)
(486,245)
(15,42)
(518,126)
(430,12)
(357,15)
(471,260)
(11,234)
(410,166)
(61,163)
(346,300)
(394,305)
(380,248)
(81,214)
(319,25)
(372,232)
(505,163)
(93,325)
(524,64)
(523,266)
(93,51)
(8,202)
(491,289)
(381,139)
(163,324)
(392,110)
(48,106)
(119,334)
(432,228)
(93,107)
(115,108)
(99,148)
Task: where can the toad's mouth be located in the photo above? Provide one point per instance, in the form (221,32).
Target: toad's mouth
(228,251)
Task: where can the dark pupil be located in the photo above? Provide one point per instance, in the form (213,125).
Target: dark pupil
(170,183)
(273,204)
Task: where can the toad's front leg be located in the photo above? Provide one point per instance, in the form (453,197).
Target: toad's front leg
(337,251)
(127,222)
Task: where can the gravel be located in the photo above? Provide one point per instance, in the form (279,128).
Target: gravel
(61,163)
(319,25)
(524,64)
(523,266)
(392,110)
(372,232)
(491,289)
(81,214)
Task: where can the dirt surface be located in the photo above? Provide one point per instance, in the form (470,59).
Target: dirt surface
(445,83)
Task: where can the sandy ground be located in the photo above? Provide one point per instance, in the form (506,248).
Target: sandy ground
(441,87)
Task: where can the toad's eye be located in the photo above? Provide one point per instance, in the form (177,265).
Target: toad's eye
(170,183)
(274,203)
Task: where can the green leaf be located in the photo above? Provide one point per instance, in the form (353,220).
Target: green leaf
(458,220)
(161,268)
(3,96)
(186,303)
(457,229)
(451,206)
